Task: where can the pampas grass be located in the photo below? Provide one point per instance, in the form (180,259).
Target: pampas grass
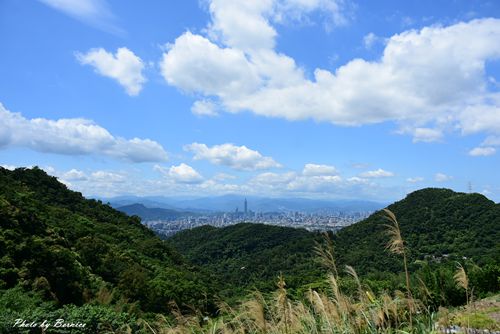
(330,311)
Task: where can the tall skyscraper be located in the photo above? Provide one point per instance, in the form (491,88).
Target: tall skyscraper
(246,206)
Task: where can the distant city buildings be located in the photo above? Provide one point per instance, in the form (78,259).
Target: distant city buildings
(318,221)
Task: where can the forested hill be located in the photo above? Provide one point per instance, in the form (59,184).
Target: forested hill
(437,224)
(247,256)
(72,250)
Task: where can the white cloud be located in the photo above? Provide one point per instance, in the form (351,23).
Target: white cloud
(193,63)
(492,141)
(369,40)
(357,180)
(182,179)
(9,167)
(425,81)
(482,117)
(237,157)
(184,174)
(73,136)
(223,177)
(426,135)
(246,25)
(440,177)
(415,179)
(317,183)
(74,175)
(124,66)
(242,24)
(109,177)
(376,173)
(482,151)
(317,170)
(204,108)
(299,184)
(271,179)
(93,12)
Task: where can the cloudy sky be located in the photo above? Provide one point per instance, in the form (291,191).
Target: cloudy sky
(297,98)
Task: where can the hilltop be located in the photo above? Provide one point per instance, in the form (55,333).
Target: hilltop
(437,224)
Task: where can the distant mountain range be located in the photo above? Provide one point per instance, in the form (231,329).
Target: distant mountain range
(146,213)
(228,203)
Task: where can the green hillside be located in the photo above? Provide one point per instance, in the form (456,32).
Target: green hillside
(437,224)
(70,250)
(246,256)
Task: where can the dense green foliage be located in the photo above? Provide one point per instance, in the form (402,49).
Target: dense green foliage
(247,256)
(69,250)
(438,225)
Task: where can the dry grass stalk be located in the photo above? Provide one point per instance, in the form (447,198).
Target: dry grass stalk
(326,253)
(396,245)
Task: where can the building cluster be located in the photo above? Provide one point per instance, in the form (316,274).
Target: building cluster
(318,221)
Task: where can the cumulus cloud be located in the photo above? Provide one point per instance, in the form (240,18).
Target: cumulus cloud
(440,177)
(73,136)
(317,170)
(376,173)
(182,173)
(425,81)
(482,151)
(193,63)
(124,66)
(183,179)
(237,157)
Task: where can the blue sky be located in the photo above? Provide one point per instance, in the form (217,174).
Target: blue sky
(295,98)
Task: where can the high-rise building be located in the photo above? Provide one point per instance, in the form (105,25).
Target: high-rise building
(246,206)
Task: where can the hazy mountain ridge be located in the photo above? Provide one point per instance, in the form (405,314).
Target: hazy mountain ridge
(228,203)
(146,213)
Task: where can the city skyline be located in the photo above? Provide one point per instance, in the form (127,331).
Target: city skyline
(320,99)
